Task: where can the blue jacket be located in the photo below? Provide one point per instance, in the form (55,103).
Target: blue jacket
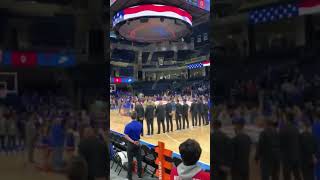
(57,136)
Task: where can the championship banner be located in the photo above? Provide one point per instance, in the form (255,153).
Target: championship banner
(56,60)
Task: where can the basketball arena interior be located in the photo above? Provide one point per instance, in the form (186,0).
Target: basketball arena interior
(158,48)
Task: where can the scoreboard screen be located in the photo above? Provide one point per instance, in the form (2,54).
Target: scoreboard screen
(203,4)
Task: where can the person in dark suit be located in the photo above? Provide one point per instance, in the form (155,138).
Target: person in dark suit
(140,114)
(200,111)
(185,111)
(169,115)
(77,169)
(194,112)
(149,114)
(161,113)
(290,148)
(241,146)
(95,153)
(309,149)
(178,114)
(268,152)
(205,110)
(221,150)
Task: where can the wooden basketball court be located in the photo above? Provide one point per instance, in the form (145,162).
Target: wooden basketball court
(173,139)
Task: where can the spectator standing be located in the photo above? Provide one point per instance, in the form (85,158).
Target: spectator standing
(57,136)
(77,169)
(178,114)
(31,138)
(3,132)
(140,113)
(309,149)
(190,151)
(149,114)
(95,152)
(132,133)
(290,148)
(221,150)
(268,152)
(12,133)
(169,115)
(160,113)
(185,113)
(241,146)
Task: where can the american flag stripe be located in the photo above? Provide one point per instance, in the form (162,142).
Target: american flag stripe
(206,63)
(159,9)
(309,7)
(152,10)
(152,13)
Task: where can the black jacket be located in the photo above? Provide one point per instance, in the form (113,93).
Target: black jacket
(140,110)
(221,150)
(149,113)
(185,109)
(160,112)
(96,154)
(241,146)
(308,148)
(268,147)
(290,144)
(168,108)
(179,109)
(200,107)
(194,108)
(205,108)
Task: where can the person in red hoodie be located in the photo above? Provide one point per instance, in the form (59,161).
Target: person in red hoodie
(190,151)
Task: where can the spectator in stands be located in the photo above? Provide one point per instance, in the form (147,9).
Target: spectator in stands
(221,150)
(3,131)
(95,152)
(190,151)
(309,149)
(132,133)
(77,169)
(241,147)
(57,136)
(290,148)
(12,132)
(31,138)
(268,151)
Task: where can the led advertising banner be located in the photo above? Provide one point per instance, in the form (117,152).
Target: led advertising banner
(203,4)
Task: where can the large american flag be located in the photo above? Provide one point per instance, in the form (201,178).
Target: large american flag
(154,10)
(309,7)
(273,13)
(284,11)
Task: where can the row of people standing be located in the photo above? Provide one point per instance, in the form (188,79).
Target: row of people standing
(12,132)
(165,113)
(278,146)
